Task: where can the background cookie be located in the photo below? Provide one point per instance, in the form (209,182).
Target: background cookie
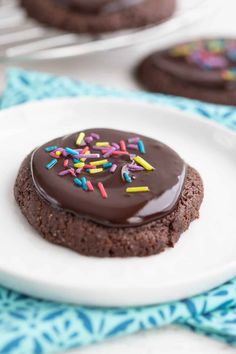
(99,16)
(203,69)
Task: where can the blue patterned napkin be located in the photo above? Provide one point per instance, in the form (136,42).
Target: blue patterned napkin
(33,326)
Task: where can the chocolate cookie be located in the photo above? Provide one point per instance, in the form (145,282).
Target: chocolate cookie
(108,193)
(97,16)
(203,69)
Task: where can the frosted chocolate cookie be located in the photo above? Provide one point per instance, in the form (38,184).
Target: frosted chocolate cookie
(97,16)
(108,193)
(203,69)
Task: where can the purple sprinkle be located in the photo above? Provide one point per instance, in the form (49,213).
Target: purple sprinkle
(88,139)
(133,140)
(88,156)
(64,153)
(109,152)
(72,172)
(64,172)
(132,156)
(101,147)
(113,168)
(132,146)
(135,167)
(59,149)
(95,136)
(116,146)
(78,171)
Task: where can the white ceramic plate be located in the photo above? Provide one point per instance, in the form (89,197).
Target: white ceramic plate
(203,258)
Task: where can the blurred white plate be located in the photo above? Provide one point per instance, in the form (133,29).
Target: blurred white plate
(203,258)
(23,38)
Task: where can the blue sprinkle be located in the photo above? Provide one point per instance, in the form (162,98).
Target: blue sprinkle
(50,148)
(71,151)
(51,164)
(75,160)
(78,182)
(127,177)
(141,147)
(84,185)
(107,165)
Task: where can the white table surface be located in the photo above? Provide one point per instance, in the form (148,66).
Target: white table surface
(115,69)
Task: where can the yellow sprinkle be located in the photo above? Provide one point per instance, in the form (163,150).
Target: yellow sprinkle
(103,143)
(137,189)
(97,163)
(80,138)
(95,170)
(86,153)
(143,163)
(79,164)
(58,153)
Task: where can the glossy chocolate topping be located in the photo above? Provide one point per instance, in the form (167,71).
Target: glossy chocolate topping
(207,63)
(98,6)
(120,208)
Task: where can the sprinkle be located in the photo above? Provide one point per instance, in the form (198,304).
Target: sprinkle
(90,186)
(78,182)
(132,146)
(109,152)
(95,170)
(80,138)
(120,153)
(58,153)
(66,163)
(113,168)
(84,150)
(54,155)
(84,184)
(97,163)
(71,151)
(143,163)
(135,167)
(133,140)
(88,156)
(51,164)
(72,172)
(95,136)
(50,148)
(64,153)
(122,145)
(88,139)
(115,146)
(64,172)
(86,153)
(79,164)
(101,148)
(127,177)
(89,166)
(78,171)
(137,189)
(103,143)
(76,160)
(141,147)
(102,190)
(107,165)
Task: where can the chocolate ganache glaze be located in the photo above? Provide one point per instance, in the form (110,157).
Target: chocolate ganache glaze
(98,6)
(165,181)
(207,63)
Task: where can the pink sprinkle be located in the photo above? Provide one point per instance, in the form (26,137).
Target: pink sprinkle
(113,168)
(78,171)
(90,186)
(109,152)
(66,163)
(64,172)
(122,145)
(72,172)
(120,152)
(88,139)
(89,166)
(133,140)
(54,155)
(64,153)
(101,147)
(115,146)
(102,190)
(95,136)
(132,146)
